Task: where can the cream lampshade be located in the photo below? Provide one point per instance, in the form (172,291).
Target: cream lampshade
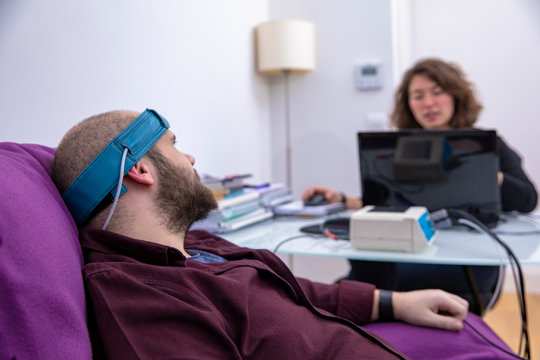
(285,46)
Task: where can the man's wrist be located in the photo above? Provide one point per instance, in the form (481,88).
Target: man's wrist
(386,309)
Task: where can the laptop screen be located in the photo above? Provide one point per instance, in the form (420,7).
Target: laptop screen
(435,169)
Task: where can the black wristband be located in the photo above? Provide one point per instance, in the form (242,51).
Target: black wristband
(386,310)
(343,198)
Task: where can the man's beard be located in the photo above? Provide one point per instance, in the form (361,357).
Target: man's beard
(181,198)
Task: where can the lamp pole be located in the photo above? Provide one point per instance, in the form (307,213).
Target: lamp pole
(285,46)
(288,151)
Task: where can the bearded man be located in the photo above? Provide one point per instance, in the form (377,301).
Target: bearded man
(156,290)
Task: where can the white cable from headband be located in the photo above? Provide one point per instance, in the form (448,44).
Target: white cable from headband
(118,189)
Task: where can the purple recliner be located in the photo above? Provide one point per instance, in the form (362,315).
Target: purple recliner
(42,303)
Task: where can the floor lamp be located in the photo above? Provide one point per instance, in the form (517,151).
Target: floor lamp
(284,47)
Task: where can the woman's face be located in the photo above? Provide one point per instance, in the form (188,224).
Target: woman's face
(431,106)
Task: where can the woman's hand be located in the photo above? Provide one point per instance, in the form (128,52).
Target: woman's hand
(332,196)
(500,178)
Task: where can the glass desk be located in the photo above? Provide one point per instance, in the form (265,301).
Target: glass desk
(457,246)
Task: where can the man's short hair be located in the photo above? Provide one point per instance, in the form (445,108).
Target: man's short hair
(82,143)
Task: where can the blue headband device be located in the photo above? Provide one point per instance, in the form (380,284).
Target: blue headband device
(100,177)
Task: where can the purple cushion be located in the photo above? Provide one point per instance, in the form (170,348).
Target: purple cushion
(42,299)
(426,343)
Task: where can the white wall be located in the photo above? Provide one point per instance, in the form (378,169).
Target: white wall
(326,109)
(63,60)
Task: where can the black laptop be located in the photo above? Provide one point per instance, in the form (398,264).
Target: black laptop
(435,169)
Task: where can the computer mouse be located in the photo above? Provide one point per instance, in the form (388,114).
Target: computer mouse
(316,200)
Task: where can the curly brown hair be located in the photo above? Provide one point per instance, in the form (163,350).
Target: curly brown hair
(452,80)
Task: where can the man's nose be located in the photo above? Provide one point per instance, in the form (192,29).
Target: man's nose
(190,158)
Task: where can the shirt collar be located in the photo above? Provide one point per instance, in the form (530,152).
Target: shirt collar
(151,253)
(115,244)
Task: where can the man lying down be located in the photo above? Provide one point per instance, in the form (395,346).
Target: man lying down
(157,291)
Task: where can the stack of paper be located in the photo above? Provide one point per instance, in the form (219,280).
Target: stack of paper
(297,208)
(274,194)
(234,213)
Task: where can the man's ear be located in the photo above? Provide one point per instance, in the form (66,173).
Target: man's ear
(140,172)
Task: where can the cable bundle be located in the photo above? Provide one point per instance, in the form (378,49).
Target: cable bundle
(449,217)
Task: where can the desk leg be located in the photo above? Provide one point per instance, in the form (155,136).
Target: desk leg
(474,288)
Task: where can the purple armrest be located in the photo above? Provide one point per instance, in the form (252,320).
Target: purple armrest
(427,343)
(42,303)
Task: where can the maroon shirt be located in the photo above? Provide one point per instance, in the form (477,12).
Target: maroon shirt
(148,301)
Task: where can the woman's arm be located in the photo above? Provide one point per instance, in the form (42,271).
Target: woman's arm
(517,191)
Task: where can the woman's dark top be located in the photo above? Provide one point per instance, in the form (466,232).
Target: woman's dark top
(517,191)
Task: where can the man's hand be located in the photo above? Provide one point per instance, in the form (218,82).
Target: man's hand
(433,308)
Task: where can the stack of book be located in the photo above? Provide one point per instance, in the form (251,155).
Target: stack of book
(225,186)
(239,205)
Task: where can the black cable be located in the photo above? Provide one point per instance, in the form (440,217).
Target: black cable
(491,342)
(443,215)
(524,338)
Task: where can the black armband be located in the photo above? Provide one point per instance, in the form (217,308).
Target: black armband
(343,198)
(386,310)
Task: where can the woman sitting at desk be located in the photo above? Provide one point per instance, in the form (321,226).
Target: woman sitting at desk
(435,95)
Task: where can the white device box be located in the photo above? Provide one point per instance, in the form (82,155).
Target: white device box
(368,76)
(409,230)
